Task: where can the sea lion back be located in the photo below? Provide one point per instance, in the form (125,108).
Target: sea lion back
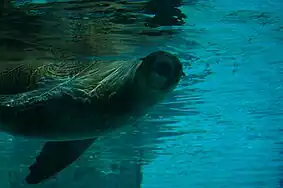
(42,99)
(16,77)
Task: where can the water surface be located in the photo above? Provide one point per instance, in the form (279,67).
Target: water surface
(222,127)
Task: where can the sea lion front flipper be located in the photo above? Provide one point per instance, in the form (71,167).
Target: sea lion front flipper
(54,157)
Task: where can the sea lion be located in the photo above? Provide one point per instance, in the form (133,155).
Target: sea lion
(71,103)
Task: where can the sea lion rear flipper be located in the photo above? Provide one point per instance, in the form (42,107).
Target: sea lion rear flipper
(54,157)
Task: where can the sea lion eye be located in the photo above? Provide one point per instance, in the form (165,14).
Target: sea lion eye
(163,68)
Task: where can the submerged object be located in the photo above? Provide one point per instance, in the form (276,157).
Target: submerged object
(71,103)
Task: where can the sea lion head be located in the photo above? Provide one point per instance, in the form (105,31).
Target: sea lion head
(134,86)
(159,71)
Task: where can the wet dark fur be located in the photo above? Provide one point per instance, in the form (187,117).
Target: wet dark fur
(50,100)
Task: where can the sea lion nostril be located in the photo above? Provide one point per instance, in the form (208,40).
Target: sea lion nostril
(163,68)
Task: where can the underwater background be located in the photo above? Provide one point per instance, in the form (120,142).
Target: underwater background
(222,126)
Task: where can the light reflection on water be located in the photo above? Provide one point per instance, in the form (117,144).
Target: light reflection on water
(239,112)
(221,127)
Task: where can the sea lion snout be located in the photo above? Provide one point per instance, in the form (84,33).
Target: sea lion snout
(164,69)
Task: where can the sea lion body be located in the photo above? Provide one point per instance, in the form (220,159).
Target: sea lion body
(71,103)
(58,118)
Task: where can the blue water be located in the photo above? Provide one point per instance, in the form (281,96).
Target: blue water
(229,108)
(239,104)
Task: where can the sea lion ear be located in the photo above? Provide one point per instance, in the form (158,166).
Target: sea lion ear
(148,61)
(151,58)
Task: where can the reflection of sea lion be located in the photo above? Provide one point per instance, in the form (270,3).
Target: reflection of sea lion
(85,28)
(70,104)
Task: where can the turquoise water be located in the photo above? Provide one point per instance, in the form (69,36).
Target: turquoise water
(223,123)
(239,104)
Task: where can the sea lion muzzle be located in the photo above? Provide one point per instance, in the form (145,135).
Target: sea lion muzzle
(164,69)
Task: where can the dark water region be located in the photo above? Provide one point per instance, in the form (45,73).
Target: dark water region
(222,127)
(88,28)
